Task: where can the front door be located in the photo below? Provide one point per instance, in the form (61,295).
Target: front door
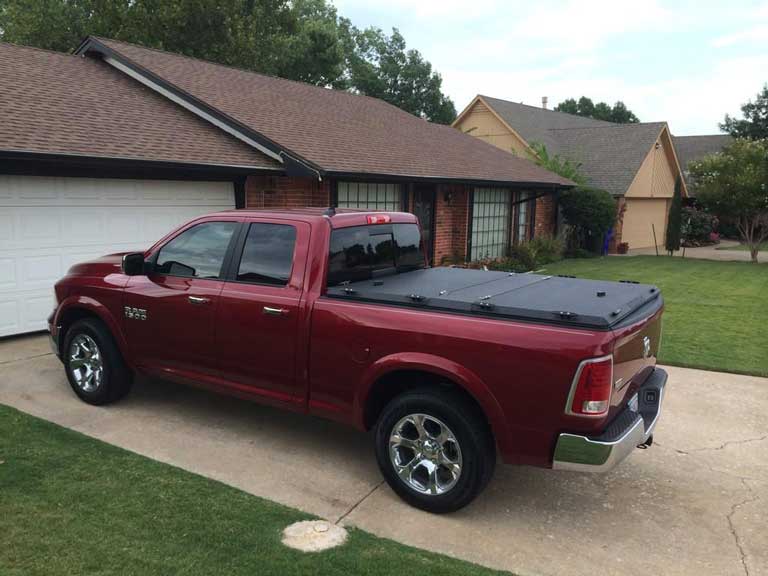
(424,210)
(169,314)
(260,312)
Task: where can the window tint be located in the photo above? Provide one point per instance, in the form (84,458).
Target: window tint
(268,254)
(357,253)
(197,252)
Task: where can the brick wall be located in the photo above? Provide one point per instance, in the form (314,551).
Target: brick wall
(544,221)
(451,223)
(263,191)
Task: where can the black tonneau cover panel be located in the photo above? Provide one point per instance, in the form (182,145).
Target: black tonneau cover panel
(593,304)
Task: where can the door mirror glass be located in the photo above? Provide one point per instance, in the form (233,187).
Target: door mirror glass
(133,264)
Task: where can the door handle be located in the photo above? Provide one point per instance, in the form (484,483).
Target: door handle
(198,300)
(274,311)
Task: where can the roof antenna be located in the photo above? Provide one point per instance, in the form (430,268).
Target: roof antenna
(330,212)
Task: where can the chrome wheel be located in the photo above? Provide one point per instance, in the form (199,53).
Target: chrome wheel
(425,454)
(85,363)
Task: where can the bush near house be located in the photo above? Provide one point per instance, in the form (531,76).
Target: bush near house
(590,214)
(698,228)
(525,256)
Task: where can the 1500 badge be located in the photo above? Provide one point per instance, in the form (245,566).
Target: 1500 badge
(135,313)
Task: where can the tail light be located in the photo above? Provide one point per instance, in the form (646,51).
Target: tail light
(591,390)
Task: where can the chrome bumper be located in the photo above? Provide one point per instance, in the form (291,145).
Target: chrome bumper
(627,431)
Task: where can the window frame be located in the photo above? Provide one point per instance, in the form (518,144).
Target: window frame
(226,263)
(508,233)
(401,191)
(239,249)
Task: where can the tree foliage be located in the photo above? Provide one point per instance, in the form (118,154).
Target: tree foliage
(584,106)
(379,65)
(754,125)
(589,212)
(674,221)
(733,185)
(302,40)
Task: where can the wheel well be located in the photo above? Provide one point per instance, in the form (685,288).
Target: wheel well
(69,317)
(395,383)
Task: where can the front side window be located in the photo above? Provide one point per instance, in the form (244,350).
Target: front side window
(368,196)
(198,252)
(268,254)
(360,252)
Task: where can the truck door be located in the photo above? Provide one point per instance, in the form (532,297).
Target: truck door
(259,315)
(169,313)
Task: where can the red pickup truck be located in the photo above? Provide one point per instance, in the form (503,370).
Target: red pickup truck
(335,313)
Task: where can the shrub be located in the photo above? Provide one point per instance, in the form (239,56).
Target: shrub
(547,249)
(698,227)
(591,213)
(525,256)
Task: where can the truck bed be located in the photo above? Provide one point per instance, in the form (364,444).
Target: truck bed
(564,301)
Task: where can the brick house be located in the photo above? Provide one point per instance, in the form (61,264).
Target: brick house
(105,149)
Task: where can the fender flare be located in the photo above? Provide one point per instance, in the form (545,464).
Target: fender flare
(99,310)
(440,366)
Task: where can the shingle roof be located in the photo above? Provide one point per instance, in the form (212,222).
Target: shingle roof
(534,123)
(59,103)
(339,132)
(690,148)
(610,153)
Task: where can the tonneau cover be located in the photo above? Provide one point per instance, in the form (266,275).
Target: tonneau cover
(593,304)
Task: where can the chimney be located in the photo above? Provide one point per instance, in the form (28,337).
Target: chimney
(544,102)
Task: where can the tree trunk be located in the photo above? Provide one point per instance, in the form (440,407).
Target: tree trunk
(753,250)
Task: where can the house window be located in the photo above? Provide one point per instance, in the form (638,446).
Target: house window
(490,223)
(368,196)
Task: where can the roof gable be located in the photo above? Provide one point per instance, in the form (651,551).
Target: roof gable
(333,131)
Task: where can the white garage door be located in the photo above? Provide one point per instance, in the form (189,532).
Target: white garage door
(48,224)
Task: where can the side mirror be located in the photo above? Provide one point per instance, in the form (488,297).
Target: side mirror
(133,264)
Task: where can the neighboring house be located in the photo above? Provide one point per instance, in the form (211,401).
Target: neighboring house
(636,163)
(690,148)
(108,149)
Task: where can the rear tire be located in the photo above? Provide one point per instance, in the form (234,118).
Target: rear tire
(434,451)
(93,363)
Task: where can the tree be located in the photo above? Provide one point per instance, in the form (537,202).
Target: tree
(754,125)
(619,113)
(380,66)
(674,221)
(302,40)
(590,212)
(733,185)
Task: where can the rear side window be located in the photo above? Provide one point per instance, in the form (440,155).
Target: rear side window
(360,252)
(267,254)
(198,252)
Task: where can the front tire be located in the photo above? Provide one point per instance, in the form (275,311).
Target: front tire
(434,451)
(93,363)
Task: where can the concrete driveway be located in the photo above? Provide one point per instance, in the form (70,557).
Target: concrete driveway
(694,503)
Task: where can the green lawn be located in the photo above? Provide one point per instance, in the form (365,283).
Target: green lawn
(716,314)
(73,505)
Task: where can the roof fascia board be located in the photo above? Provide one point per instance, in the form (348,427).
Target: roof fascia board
(665,133)
(187,101)
(68,157)
(376,177)
(464,112)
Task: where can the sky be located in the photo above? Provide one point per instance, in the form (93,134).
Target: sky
(687,62)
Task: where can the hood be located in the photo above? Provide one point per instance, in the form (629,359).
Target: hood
(109,264)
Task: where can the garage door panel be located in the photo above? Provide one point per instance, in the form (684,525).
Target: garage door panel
(49,224)
(640,217)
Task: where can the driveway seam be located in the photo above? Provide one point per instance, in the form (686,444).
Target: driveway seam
(25,358)
(356,504)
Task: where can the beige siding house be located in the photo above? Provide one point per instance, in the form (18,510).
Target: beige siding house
(636,163)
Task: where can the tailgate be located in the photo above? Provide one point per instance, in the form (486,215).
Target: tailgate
(634,356)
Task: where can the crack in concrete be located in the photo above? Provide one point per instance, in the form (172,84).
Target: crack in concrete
(356,504)
(25,358)
(732,527)
(731,443)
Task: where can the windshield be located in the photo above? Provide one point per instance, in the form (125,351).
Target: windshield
(362,252)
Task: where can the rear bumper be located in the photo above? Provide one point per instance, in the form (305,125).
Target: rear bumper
(627,431)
